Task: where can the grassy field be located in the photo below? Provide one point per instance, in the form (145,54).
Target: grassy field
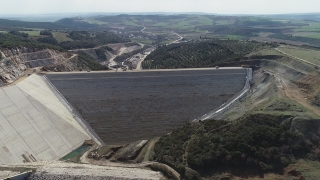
(237,37)
(311,27)
(32,33)
(94,21)
(130,23)
(310,55)
(277,105)
(263,52)
(223,22)
(306,34)
(205,20)
(61,36)
(310,170)
(160,24)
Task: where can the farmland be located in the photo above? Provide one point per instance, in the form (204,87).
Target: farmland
(129,106)
(61,36)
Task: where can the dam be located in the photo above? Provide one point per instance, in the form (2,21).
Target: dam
(123,107)
(45,117)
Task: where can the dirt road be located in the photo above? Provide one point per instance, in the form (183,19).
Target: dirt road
(112,62)
(175,41)
(83,49)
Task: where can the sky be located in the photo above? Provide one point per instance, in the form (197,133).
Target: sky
(10,7)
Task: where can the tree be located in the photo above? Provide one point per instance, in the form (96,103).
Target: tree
(46,33)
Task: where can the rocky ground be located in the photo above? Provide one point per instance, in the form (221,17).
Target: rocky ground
(16,62)
(62,170)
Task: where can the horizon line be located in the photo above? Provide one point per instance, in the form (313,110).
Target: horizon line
(158,13)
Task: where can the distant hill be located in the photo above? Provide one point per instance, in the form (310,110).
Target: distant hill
(66,23)
(75,23)
(24,24)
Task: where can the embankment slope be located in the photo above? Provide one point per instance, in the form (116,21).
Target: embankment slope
(35,125)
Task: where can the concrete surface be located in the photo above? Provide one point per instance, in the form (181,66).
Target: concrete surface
(35,125)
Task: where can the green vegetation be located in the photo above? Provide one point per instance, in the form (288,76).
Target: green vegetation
(101,53)
(310,27)
(198,54)
(87,61)
(310,55)
(312,41)
(31,33)
(61,36)
(276,105)
(48,40)
(310,170)
(75,23)
(316,100)
(257,141)
(24,24)
(46,33)
(17,33)
(142,41)
(17,39)
(84,39)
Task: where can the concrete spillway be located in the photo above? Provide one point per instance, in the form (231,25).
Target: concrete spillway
(123,107)
(35,124)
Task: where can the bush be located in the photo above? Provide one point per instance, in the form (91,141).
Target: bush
(90,63)
(49,40)
(17,33)
(46,33)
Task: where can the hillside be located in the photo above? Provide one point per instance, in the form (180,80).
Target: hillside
(255,144)
(5,23)
(199,54)
(18,62)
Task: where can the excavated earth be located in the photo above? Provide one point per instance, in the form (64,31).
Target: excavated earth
(16,61)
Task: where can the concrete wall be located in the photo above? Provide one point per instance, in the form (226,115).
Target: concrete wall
(35,125)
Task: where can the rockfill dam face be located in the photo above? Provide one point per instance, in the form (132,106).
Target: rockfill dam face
(123,107)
